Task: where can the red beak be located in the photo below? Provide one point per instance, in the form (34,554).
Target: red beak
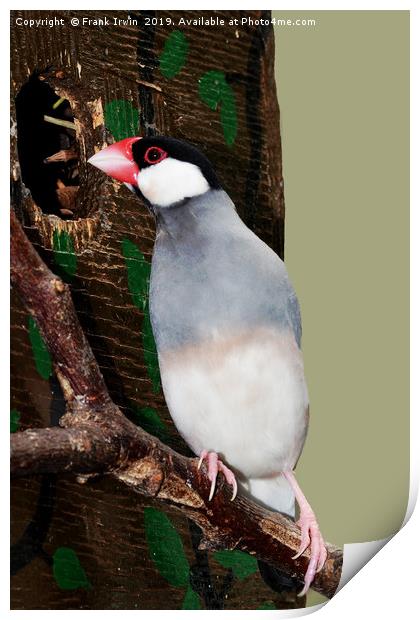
(117,161)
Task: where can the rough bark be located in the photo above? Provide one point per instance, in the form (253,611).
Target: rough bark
(57,450)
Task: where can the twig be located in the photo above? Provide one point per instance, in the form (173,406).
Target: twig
(64,155)
(57,103)
(60,122)
(149,85)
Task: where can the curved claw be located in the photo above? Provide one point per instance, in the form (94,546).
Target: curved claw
(212,488)
(214,465)
(323,556)
(310,533)
(313,562)
(230,478)
(304,544)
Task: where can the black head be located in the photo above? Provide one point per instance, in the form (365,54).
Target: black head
(152,150)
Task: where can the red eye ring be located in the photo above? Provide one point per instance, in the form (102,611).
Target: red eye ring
(154,155)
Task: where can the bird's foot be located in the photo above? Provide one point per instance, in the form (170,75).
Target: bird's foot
(310,535)
(214,465)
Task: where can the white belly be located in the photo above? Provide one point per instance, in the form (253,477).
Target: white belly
(243,396)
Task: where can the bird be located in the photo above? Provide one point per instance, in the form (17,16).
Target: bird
(227,326)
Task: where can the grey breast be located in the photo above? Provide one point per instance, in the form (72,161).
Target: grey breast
(210,273)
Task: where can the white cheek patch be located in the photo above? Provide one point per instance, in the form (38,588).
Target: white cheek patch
(170,181)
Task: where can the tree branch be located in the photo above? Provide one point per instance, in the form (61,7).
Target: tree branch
(49,301)
(54,450)
(99,439)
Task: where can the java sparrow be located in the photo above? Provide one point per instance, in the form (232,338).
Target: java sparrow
(227,326)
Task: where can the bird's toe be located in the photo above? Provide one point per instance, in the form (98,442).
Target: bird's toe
(214,465)
(311,535)
(230,478)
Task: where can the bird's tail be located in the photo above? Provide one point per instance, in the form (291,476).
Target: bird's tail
(273,492)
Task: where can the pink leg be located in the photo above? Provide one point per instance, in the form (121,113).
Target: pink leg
(311,534)
(214,465)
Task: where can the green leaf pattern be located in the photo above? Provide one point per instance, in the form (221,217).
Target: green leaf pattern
(174,54)
(64,254)
(121,118)
(40,352)
(67,570)
(166,548)
(14,420)
(149,419)
(191,599)
(214,90)
(241,563)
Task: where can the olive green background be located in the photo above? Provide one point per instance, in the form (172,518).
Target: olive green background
(343,89)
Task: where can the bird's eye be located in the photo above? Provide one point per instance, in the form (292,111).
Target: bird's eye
(154,155)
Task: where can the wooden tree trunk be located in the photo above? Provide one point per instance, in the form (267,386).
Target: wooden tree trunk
(96,546)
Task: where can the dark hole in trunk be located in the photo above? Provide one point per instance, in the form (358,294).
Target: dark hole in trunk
(47,148)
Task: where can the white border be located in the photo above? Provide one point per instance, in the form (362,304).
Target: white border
(359,5)
(386,586)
